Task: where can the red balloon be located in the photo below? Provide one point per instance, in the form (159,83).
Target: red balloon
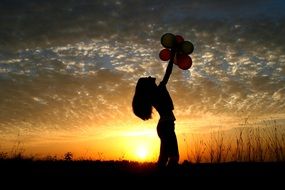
(183,61)
(164,54)
(179,39)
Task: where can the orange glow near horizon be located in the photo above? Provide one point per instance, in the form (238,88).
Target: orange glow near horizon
(137,141)
(134,140)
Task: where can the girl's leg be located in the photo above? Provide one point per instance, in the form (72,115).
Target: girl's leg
(173,153)
(163,156)
(173,161)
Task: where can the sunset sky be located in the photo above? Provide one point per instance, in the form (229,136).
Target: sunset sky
(68,71)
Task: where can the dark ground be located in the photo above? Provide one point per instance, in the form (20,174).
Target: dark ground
(110,173)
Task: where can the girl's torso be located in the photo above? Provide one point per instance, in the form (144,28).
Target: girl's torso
(163,103)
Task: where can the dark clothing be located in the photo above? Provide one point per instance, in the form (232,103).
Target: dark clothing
(163,103)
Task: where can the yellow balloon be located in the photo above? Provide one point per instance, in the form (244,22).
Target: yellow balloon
(168,40)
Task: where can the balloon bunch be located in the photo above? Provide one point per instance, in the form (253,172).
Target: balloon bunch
(182,50)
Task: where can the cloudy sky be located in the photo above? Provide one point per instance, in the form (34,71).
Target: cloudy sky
(68,70)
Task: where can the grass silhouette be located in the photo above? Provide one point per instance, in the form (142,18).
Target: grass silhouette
(243,144)
(95,170)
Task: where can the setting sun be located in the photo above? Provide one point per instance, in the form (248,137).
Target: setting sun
(142,152)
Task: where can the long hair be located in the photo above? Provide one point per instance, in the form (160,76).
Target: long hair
(143,97)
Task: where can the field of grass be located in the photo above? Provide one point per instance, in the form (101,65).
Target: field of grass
(243,144)
(12,168)
(27,174)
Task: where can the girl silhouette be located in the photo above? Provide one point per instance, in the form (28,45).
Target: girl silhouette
(147,95)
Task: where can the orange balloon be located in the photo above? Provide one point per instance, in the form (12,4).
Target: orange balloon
(164,54)
(183,61)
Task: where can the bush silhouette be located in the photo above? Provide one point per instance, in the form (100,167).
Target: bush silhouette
(68,156)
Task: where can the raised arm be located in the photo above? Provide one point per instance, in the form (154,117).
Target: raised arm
(168,69)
